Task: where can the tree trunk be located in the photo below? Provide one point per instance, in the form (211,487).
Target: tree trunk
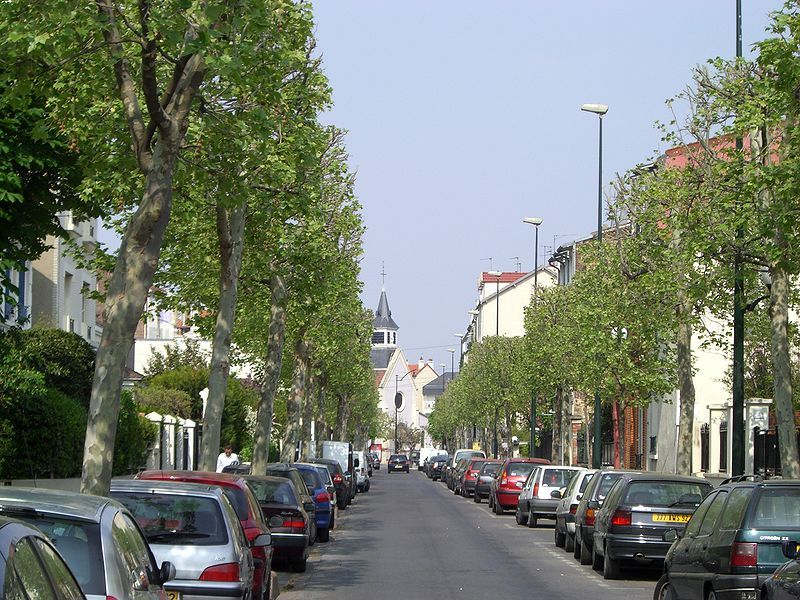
(615,431)
(510,446)
(272,374)
(340,431)
(781,370)
(558,406)
(294,402)
(321,426)
(566,428)
(127,293)
(230,232)
(308,415)
(683,350)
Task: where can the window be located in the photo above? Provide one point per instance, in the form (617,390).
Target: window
(377,337)
(697,518)
(712,514)
(66,586)
(666,493)
(31,572)
(131,553)
(735,509)
(777,509)
(605,484)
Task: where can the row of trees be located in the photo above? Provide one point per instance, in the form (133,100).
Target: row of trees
(195,127)
(680,223)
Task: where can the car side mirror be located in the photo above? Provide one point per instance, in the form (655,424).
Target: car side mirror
(789,548)
(309,506)
(556,494)
(262,540)
(670,535)
(578,497)
(166,572)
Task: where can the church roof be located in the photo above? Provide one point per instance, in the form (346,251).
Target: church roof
(381,356)
(383,315)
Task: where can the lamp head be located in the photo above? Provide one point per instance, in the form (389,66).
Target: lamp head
(532,221)
(451,350)
(598,109)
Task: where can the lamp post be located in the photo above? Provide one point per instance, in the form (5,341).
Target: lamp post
(535,221)
(398,400)
(452,352)
(599,110)
(460,349)
(496,275)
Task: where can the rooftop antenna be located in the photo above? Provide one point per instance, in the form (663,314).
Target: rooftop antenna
(490,262)
(516,262)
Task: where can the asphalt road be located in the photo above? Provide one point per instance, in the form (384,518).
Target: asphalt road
(409,537)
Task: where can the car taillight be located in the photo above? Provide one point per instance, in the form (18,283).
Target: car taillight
(294,523)
(588,519)
(224,572)
(573,508)
(322,497)
(503,479)
(744,554)
(621,517)
(337,479)
(535,490)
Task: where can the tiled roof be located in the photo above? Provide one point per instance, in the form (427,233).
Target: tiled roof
(505,277)
(414,369)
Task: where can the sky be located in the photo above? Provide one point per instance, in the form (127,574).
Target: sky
(464,118)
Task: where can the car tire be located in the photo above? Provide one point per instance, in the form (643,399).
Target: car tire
(533,522)
(366,487)
(299,566)
(560,539)
(610,567)
(323,535)
(491,501)
(518,516)
(597,560)
(585,553)
(569,542)
(498,508)
(663,589)
(476,498)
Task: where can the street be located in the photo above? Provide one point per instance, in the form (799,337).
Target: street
(411,537)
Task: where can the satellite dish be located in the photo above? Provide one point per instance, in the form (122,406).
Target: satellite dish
(398,400)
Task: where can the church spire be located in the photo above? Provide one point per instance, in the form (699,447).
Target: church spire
(383,315)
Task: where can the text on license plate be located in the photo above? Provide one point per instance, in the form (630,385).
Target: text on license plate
(671,518)
(173,596)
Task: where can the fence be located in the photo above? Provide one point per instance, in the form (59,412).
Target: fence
(766,451)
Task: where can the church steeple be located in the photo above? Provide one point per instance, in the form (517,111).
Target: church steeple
(384,329)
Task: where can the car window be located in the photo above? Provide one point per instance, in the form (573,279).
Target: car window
(665,493)
(604,485)
(557,478)
(712,514)
(311,479)
(736,507)
(66,586)
(777,508)
(31,572)
(520,469)
(585,482)
(238,499)
(300,484)
(490,468)
(693,526)
(176,519)
(78,542)
(571,486)
(131,553)
(274,492)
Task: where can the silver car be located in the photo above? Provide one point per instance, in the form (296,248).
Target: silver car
(567,506)
(195,527)
(98,538)
(536,501)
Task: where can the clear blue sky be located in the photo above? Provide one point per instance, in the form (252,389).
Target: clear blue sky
(463,118)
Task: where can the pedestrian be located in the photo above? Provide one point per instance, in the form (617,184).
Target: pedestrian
(227,457)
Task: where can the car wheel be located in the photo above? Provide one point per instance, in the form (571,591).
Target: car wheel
(518,516)
(323,535)
(491,501)
(663,589)
(585,553)
(366,487)
(332,525)
(597,560)
(532,520)
(569,542)
(342,504)
(498,508)
(476,498)
(559,538)
(610,567)
(299,566)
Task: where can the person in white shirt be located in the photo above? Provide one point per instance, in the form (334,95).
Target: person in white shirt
(227,457)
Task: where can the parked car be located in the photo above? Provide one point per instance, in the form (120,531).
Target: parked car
(630,526)
(468,477)
(585,514)
(541,492)
(196,528)
(362,472)
(322,499)
(342,452)
(437,466)
(92,534)
(25,549)
(455,475)
(288,520)
(784,583)
(483,484)
(453,461)
(328,481)
(733,542)
(375,460)
(303,493)
(507,483)
(568,506)
(413,459)
(244,503)
(397,462)
(339,480)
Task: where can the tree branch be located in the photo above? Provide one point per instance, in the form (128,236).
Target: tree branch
(149,81)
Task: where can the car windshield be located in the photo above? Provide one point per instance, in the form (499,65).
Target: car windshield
(78,542)
(777,508)
(490,468)
(274,492)
(557,478)
(467,454)
(520,469)
(665,493)
(398,457)
(176,519)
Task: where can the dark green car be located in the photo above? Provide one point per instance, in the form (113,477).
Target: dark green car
(733,542)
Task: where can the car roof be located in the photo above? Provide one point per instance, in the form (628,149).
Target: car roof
(206,477)
(57,502)
(164,485)
(769,483)
(268,478)
(280,467)
(665,477)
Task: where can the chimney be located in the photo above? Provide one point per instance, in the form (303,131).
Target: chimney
(421,362)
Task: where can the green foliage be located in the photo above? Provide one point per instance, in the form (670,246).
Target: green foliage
(135,434)
(65,360)
(187,354)
(164,401)
(187,379)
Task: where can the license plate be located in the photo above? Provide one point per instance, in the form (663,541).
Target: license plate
(173,596)
(661,518)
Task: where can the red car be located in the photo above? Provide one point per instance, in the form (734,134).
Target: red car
(470,477)
(509,481)
(247,509)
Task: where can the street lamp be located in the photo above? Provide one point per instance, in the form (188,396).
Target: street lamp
(452,352)
(599,110)
(398,400)
(460,349)
(535,221)
(496,275)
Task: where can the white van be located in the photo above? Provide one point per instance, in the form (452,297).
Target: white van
(361,469)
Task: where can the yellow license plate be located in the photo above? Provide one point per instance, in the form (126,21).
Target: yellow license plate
(671,518)
(173,596)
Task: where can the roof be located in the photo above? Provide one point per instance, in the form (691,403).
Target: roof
(206,477)
(380,356)
(414,368)
(436,387)
(383,315)
(73,504)
(505,277)
(191,489)
(379,373)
